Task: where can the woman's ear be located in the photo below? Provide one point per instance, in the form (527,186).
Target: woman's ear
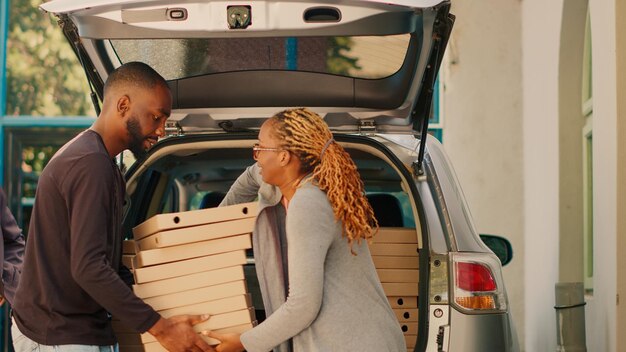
(284,158)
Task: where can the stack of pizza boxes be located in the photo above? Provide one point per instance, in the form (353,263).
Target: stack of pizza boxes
(192,263)
(395,254)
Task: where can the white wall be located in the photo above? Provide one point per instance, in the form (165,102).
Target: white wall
(540,62)
(501,131)
(601,308)
(540,37)
(483,125)
(620,13)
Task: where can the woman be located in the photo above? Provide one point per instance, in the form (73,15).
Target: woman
(319,284)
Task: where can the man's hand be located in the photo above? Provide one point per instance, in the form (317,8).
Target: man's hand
(176,334)
(228,342)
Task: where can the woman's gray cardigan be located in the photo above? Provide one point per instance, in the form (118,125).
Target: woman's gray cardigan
(335,300)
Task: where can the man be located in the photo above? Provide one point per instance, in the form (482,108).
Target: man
(11,251)
(70,279)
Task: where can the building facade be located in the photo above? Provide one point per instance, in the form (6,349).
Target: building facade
(535,106)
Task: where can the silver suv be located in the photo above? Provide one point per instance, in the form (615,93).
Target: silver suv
(369,68)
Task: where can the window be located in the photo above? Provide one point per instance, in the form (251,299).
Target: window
(435,126)
(346,56)
(27,153)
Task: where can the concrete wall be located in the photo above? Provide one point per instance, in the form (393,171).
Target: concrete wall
(571,123)
(541,22)
(513,129)
(483,125)
(601,332)
(551,111)
(620,13)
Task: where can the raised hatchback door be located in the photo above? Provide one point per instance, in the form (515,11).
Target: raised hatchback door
(234,64)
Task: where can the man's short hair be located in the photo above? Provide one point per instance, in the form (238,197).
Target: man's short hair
(135,73)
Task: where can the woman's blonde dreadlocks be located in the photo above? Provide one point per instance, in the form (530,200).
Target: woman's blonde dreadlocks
(306,135)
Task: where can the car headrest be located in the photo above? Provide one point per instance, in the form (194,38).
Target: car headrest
(387,209)
(211,200)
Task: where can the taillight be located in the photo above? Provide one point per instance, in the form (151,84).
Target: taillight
(477,282)
(474,277)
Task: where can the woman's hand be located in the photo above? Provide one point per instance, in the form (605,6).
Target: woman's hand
(228,342)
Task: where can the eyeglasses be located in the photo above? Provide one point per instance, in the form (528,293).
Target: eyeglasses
(256,148)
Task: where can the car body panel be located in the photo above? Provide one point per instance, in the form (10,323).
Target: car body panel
(67,6)
(484,332)
(459,225)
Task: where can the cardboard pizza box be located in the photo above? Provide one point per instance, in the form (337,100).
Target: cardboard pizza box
(197,233)
(218,306)
(406,315)
(409,328)
(402,301)
(136,344)
(400,288)
(243,317)
(394,249)
(190,266)
(188,282)
(222,321)
(398,275)
(197,295)
(129,247)
(395,235)
(410,340)
(162,222)
(152,346)
(127,260)
(394,262)
(191,250)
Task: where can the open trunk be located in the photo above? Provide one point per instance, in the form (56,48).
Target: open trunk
(197,175)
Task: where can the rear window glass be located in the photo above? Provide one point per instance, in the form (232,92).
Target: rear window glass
(370,57)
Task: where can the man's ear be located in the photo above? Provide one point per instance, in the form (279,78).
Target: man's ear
(123,105)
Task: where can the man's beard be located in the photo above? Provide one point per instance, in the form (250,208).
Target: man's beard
(136,138)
